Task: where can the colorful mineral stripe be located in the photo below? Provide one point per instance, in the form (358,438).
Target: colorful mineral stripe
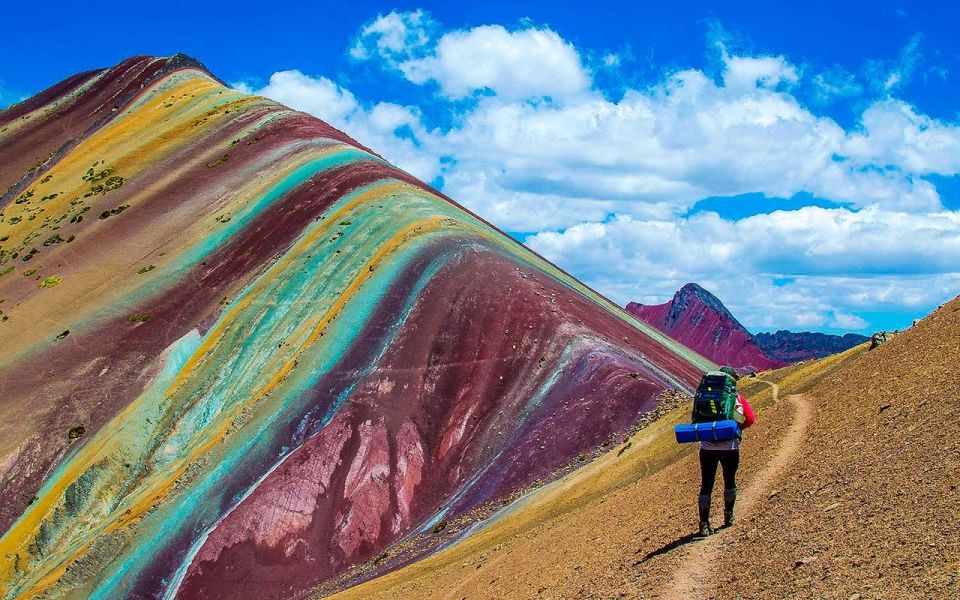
(242,353)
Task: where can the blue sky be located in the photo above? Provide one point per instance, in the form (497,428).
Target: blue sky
(801,161)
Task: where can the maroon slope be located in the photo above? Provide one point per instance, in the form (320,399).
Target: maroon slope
(697,319)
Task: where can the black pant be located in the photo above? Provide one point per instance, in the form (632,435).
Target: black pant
(728,459)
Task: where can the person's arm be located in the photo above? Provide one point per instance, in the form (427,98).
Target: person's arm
(748,417)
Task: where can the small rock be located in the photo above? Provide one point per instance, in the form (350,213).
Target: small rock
(75,432)
(804,561)
(831,507)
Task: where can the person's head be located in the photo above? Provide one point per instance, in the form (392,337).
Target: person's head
(731,372)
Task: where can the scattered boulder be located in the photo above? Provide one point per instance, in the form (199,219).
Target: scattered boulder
(880,337)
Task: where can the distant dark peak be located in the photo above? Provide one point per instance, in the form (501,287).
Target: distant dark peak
(804,345)
(786,334)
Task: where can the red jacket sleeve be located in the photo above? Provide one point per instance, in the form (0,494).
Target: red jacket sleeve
(748,417)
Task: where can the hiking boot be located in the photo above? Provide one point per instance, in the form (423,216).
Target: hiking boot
(703,509)
(705,529)
(729,499)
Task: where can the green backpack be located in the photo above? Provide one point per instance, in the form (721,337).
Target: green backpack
(715,399)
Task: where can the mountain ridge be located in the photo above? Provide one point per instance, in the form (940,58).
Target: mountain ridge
(790,346)
(243,352)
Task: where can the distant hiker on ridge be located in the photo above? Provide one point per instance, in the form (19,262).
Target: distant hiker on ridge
(716,400)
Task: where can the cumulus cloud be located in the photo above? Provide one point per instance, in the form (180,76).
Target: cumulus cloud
(308,94)
(603,184)
(394,37)
(749,72)
(687,138)
(848,322)
(895,135)
(655,150)
(533,62)
(513,65)
(838,261)
(810,241)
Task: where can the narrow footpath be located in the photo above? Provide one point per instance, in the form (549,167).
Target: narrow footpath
(692,577)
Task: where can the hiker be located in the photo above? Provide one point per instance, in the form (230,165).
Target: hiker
(725,453)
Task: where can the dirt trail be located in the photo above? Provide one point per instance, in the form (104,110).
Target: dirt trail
(618,527)
(693,576)
(774,387)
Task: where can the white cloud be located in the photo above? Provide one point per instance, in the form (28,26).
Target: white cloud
(808,241)
(749,72)
(663,149)
(242,86)
(516,65)
(655,150)
(808,319)
(894,134)
(318,96)
(839,261)
(602,182)
(532,62)
(394,37)
(848,322)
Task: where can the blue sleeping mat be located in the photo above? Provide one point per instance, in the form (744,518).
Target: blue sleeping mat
(717,431)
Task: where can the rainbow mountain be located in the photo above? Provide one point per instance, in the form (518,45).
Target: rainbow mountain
(242,353)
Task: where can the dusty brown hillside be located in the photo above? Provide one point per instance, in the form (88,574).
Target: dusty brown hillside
(848,490)
(873,506)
